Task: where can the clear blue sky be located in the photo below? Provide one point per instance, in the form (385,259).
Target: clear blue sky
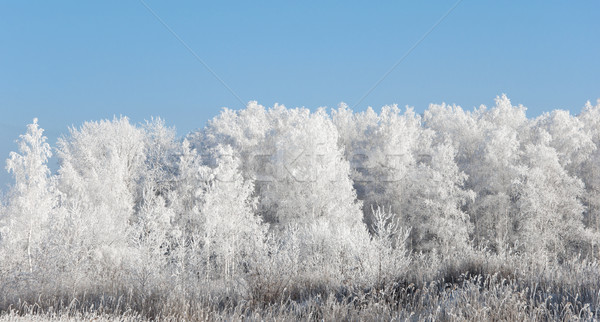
(66,62)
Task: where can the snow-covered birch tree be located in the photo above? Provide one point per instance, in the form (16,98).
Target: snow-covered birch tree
(31,198)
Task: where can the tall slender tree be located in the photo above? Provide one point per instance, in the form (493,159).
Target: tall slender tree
(31,199)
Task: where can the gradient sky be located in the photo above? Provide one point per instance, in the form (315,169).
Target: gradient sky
(67,62)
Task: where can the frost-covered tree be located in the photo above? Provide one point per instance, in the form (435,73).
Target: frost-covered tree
(389,241)
(152,231)
(215,225)
(433,203)
(505,130)
(156,180)
(100,166)
(590,174)
(187,196)
(302,178)
(549,202)
(397,165)
(357,133)
(459,127)
(380,148)
(568,137)
(233,235)
(489,145)
(161,150)
(31,199)
(590,170)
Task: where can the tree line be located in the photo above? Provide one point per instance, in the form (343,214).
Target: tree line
(270,197)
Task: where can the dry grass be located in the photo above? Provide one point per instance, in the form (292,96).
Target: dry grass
(487,289)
